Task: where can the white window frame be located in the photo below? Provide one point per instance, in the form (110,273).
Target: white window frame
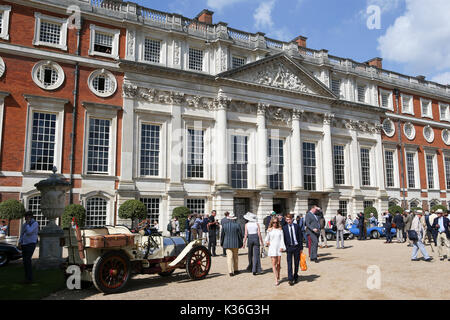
(390,101)
(45,105)
(198,125)
(341,82)
(435,170)
(205,58)
(162,51)
(372,165)
(442,136)
(97,111)
(410,109)
(61,75)
(150,119)
(104,72)
(395,172)
(115,33)
(393,127)
(237,56)
(430,113)
(2,67)
(366,90)
(109,198)
(63,33)
(414,131)
(432,136)
(445,155)
(447,117)
(5,22)
(416,168)
(3,95)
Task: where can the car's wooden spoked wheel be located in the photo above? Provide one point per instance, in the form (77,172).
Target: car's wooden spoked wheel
(198,263)
(111,272)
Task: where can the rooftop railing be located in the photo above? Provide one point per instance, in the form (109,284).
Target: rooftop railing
(250,40)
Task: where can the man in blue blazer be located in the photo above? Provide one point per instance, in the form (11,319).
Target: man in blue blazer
(294,245)
(441,225)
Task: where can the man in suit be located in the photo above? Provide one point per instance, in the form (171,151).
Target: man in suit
(408,221)
(222,223)
(339,221)
(231,240)
(388,226)
(362,234)
(313,230)
(441,225)
(294,246)
(400,224)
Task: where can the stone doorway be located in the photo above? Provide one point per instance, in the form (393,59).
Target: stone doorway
(241,206)
(279,206)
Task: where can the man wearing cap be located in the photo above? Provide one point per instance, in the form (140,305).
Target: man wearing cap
(231,241)
(441,225)
(417,243)
(27,242)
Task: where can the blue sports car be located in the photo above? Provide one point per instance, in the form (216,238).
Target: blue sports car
(373,232)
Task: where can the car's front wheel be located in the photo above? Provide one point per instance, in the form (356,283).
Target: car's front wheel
(375,234)
(111,272)
(329,236)
(4,259)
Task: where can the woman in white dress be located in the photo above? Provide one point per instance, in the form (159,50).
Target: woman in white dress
(275,241)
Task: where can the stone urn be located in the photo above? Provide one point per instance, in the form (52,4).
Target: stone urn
(53,200)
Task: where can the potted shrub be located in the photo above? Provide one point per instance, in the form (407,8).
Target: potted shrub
(134,210)
(73,211)
(11,210)
(181,213)
(396,209)
(439,206)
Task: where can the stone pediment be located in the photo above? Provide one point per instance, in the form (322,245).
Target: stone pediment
(279,72)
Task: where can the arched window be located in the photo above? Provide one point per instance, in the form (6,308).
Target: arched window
(34,205)
(434,203)
(96,212)
(414,204)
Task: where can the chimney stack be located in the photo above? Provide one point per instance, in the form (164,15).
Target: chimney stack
(376,62)
(301,41)
(205,16)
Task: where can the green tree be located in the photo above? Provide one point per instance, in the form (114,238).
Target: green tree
(368,211)
(181,213)
(133,209)
(11,210)
(73,211)
(396,209)
(439,206)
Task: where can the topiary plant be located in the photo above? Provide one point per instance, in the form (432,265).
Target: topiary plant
(439,206)
(416,209)
(396,209)
(181,213)
(71,211)
(11,210)
(133,209)
(368,211)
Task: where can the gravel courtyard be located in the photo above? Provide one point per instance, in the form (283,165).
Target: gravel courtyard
(340,274)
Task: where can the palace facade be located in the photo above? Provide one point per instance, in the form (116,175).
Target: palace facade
(132,103)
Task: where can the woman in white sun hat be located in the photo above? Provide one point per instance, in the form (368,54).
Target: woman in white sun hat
(255,241)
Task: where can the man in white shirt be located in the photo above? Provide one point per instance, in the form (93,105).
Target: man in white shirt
(441,224)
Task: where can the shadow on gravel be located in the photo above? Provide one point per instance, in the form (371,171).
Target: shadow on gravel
(309,278)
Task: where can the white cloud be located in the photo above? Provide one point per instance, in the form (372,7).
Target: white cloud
(263,15)
(385,5)
(220,4)
(443,78)
(420,38)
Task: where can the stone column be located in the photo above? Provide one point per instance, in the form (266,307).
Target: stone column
(126,182)
(328,154)
(176,149)
(358,197)
(221,145)
(261,165)
(379,160)
(265,206)
(296,154)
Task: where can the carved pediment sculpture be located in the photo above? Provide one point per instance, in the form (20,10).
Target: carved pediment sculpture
(276,75)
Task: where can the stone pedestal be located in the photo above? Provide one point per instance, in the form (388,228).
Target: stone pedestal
(50,250)
(53,198)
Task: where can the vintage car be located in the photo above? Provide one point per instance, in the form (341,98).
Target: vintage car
(373,232)
(109,256)
(331,235)
(8,252)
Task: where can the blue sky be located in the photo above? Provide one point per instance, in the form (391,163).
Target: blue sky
(413,38)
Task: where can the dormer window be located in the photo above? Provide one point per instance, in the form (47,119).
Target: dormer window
(104,42)
(195,59)
(426,108)
(238,62)
(4,22)
(50,32)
